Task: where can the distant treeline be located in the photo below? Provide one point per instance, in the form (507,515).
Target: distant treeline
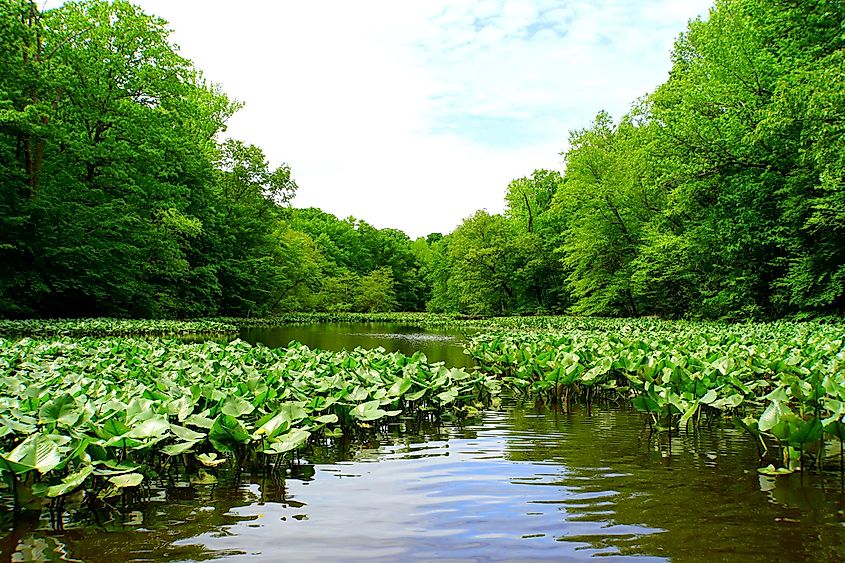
(116,197)
(719,195)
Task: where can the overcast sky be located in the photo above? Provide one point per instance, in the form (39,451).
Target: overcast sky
(413,114)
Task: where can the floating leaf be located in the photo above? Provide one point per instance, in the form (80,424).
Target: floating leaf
(126,480)
(211,460)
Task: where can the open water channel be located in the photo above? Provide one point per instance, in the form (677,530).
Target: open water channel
(522,484)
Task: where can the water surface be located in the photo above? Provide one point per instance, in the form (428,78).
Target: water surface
(523,484)
(439,345)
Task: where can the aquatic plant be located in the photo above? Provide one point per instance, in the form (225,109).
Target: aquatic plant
(108,415)
(113,327)
(782,382)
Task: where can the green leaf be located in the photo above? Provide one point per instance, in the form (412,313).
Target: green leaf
(690,412)
(38,452)
(370,410)
(186,433)
(126,480)
(70,482)
(199,421)
(211,459)
(155,427)
(279,423)
(226,433)
(288,442)
(236,406)
(400,386)
(644,403)
(61,410)
(709,397)
(448,396)
(771,416)
(772,470)
(178,448)
(416,395)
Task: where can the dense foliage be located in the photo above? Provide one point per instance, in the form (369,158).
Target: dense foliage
(118,196)
(720,195)
(784,383)
(108,415)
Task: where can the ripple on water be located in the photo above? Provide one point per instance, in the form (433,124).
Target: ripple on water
(519,485)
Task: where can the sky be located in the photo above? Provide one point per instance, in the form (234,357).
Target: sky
(413,114)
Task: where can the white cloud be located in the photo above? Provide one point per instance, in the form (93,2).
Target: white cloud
(414,114)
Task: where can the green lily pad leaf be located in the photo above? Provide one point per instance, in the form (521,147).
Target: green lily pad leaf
(400,386)
(771,416)
(126,480)
(447,397)
(113,427)
(123,442)
(358,394)
(11,426)
(111,467)
(155,427)
(78,452)
(416,395)
(199,421)
(61,410)
(235,406)
(295,411)
(226,433)
(689,413)
(38,452)
(186,433)
(709,397)
(211,460)
(288,442)
(70,482)
(274,426)
(326,419)
(772,470)
(729,402)
(178,448)
(368,411)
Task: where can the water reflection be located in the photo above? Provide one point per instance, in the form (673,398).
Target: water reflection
(525,484)
(439,345)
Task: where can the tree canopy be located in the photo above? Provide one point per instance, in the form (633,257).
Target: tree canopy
(721,194)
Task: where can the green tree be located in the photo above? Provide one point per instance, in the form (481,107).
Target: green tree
(604,202)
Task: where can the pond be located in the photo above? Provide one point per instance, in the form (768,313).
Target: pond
(520,484)
(439,345)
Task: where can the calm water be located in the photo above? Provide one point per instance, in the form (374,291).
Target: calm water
(524,484)
(439,345)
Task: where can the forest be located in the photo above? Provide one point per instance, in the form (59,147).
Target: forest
(719,195)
